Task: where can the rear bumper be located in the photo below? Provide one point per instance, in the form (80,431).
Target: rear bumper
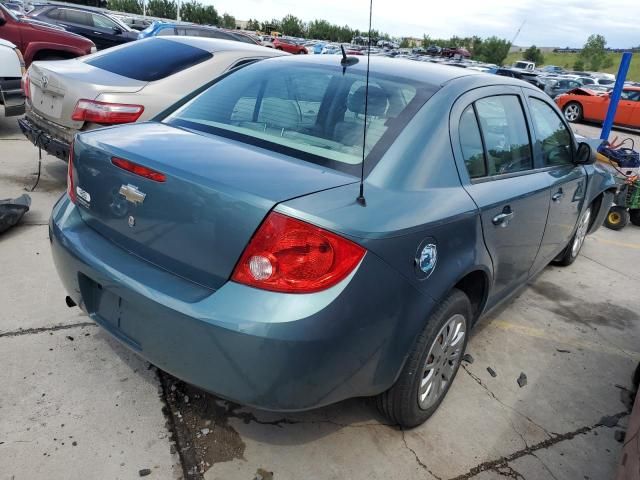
(43,135)
(273,351)
(11,97)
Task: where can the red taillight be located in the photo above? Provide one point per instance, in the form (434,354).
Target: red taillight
(71,191)
(103,112)
(26,87)
(138,169)
(288,255)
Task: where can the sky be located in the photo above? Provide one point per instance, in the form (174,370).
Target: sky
(547,23)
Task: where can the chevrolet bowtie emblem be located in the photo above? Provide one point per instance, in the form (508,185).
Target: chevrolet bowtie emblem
(132,194)
(45,82)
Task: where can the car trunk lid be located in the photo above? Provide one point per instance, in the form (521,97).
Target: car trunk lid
(56,87)
(198,221)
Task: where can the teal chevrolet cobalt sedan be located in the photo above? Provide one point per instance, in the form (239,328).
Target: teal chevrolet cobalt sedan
(228,243)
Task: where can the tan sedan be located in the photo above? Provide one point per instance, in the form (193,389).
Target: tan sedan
(130,83)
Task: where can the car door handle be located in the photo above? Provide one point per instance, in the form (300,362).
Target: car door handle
(97,33)
(557,196)
(503,219)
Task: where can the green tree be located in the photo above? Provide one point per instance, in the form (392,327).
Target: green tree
(253,25)
(593,53)
(162,8)
(405,43)
(608,62)
(578,65)
(494,50)
(228,21)
(128,6)
(292,26)
(533,54)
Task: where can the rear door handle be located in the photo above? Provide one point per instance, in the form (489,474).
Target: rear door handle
(503,219)
(557,196)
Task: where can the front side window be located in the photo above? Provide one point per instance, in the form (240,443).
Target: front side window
(313,112)
(553,135)
(103,22)
(471,144)
(505,134)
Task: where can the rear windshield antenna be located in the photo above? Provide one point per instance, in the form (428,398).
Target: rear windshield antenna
(361,200)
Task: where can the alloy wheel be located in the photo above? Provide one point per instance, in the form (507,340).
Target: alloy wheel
(581,232)
(572,112)
(442,361)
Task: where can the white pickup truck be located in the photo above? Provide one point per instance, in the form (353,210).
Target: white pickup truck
(524,65)
(12,68)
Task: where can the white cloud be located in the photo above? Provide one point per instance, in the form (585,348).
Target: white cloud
(547,22)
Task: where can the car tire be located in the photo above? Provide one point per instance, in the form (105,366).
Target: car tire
(634,216)
(572,112)
(617,218)
(572,250)
(408,402)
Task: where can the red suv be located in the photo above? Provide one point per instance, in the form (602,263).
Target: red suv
(288,46)
(38,41)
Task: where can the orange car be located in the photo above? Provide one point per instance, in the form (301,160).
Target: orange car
(584,104)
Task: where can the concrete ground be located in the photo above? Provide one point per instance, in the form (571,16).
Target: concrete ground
(74,404)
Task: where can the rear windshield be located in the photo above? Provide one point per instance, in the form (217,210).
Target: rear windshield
(312,112)
(151,59)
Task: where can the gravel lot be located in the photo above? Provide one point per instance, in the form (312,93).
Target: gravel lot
(77,405)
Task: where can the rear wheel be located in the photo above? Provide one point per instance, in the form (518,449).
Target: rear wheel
(572,111)
(617,218)
(571,252)
(634,216)
(431,366)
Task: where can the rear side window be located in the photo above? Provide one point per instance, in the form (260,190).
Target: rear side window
(165,32)
(76,16)
(471,144)
(150,60)
(505,134)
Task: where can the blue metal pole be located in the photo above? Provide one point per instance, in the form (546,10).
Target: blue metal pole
(615,95)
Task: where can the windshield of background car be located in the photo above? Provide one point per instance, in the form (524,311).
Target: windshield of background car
(312,112)
(8,12)
(151,59)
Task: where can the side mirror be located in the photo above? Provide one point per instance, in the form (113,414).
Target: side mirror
(117,30)
(584,154)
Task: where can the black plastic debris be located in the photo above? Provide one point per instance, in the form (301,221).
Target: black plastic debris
(608,421)
(467,358)
(144,472)
(492,372)
(522,379)
(12,210)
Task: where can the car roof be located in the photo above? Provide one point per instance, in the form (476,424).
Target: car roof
(427,73)
(220,45)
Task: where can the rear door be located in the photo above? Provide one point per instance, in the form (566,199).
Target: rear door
(554,147)
(80,22)
(495,158)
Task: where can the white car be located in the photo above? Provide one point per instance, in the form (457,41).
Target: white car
(11,70)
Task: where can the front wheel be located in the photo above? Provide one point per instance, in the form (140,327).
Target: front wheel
(572,111)
(431,366)
(571,252)
(634,216)
(617,218)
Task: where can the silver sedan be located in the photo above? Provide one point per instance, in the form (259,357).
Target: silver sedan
(130,83)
